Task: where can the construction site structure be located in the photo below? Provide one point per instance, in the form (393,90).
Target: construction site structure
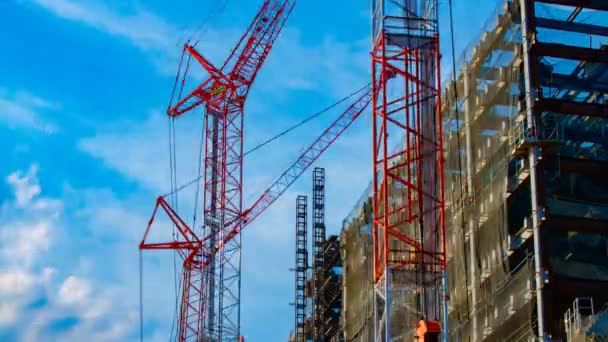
(331,288)
(324,286)
(407,187)
(357,277)
(301,268)
(583,323)
(526,138)
(526,141)
(318,241)
(520,197)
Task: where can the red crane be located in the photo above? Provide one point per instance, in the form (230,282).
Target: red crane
(210,291)
(210,304)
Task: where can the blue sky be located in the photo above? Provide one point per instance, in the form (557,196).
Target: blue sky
(83,89)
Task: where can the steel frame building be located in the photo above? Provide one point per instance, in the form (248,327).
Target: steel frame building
(526,206)
(526,142)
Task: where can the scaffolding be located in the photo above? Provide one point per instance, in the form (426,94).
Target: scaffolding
(301,268)
(318,241)
(582,323)
(356,251)
(331,289)
(408,198)
(524,123)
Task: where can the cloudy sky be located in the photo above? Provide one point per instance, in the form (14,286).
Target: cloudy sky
(83,90)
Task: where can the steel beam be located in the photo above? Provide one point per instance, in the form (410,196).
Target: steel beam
(601,5)
(570,82)
(527,28)
(570,52)
(571,107)
(572,26)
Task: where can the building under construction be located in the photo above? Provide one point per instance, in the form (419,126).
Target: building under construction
(321,288)
(526,142)
(487,212)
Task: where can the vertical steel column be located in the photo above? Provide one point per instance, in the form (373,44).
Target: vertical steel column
(211,221)
(318,231)
(467,79)
(301,268)
(529,37)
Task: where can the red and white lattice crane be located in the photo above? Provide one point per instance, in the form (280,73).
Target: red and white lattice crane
(210,296)
(210,306)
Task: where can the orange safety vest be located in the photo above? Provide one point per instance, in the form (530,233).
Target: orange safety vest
(428,331)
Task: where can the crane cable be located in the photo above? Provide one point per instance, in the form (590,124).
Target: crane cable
(277,136)
(203,26)
(173,169)
(458,143)
(309,118)
(171,164)
(174,203)
(200,164)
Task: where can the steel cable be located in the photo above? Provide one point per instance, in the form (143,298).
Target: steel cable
(458,143)
(309,118)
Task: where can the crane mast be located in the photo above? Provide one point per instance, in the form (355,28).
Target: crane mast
(408,199)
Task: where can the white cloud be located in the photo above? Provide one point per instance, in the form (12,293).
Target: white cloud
(26,233)
(8,313)
(47,274)
(143,28)
(142,143)
(35,101)
(31,227)
(25,242)
(26,186)
(74,290)
(101,315)
(23,110)
(331,66)
(328,66)
(17,287)
(15,283)
(147,31)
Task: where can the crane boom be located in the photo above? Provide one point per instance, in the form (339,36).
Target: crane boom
(245,61)
(260,37)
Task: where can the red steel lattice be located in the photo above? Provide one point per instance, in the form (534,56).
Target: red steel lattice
(408,196)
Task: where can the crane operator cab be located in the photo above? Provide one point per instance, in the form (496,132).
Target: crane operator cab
(428,331)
